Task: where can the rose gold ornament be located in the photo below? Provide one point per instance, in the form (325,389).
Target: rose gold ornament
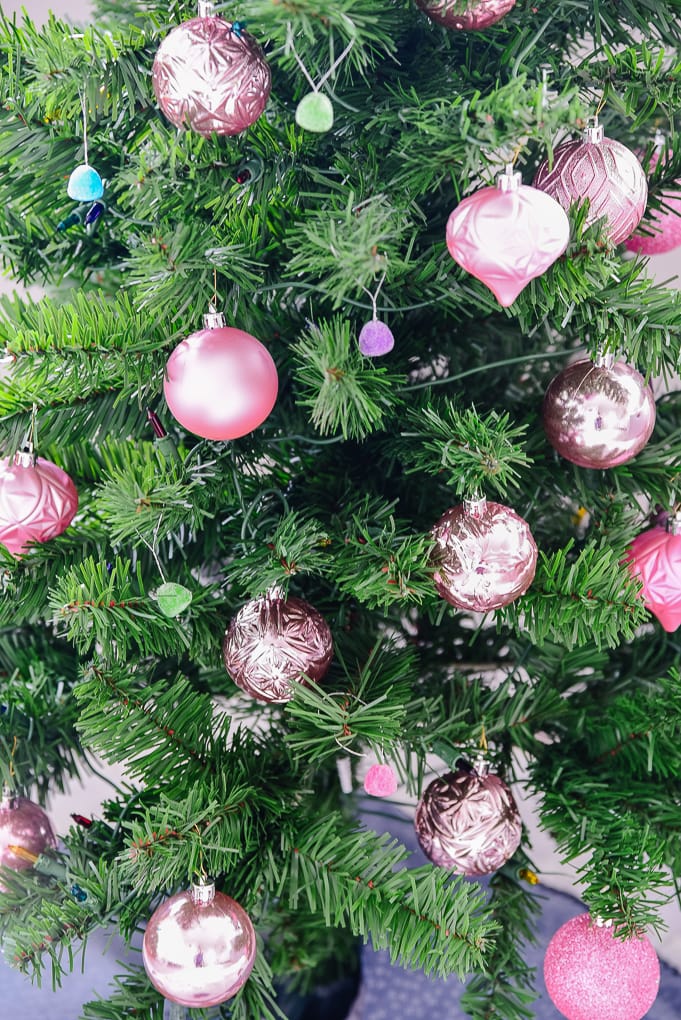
(468,821)
(485,555)
(598,414)
(602,170)
(273,643)
(211,76)
(199,947)
(37,501)
(23,824)
(655,559)
(466,15)
(507,235)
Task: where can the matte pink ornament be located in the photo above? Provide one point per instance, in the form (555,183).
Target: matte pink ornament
(380,781)
(375,339)
(220,383)
(466,15)
(591,975)
(666,223)
(598,414)
(24,824)
(211,76)
(655,558)
(602,170)
(507,235)
(485,556)
(37,501)
(199,947)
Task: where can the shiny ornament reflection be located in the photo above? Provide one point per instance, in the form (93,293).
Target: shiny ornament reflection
(466,15)
(23,824)
(654,557)
(37,501)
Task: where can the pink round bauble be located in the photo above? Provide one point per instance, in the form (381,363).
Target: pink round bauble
(274,642)
(591,975)
(665,224)
(655,559)
(598,415)
(468,821)
(211,76)
(37,501)
(485,555)
(467,16)
(220,383)
(24,824)
(199,947)
(380,781)
(605,172)
(507,235)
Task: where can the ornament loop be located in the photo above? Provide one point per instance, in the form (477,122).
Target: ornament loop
(593,132)
(509,180)
(604,359)
(673,524)
(213,319)
(475,506)
(203,892)
(206,9)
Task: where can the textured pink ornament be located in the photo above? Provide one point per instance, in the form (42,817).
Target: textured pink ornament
(209,75)
(598,414)
(24,824)
(199,947)
(507,235)
(605,172)
(591,975)
(485,555)
(273,643)
(665,223)
(655,558)
(37,501)
(375,339)
(468,821)
(380,781)
(220,383)
(466,15)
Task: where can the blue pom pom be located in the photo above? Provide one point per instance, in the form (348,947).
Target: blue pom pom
(85,184)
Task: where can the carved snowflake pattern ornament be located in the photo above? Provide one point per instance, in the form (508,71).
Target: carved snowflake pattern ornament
(654,557)
(37,501)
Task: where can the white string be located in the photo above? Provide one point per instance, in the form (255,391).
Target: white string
(301,65)
(82,103)
(374,297)
(337,62)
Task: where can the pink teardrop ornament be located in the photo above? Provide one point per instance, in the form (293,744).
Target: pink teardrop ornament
(655,558)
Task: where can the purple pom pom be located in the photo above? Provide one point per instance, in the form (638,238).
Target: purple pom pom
(375,339)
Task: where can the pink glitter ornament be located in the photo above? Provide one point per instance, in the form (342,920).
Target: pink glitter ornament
(598,414)
(605,172)
(375,339)
(507,235)
(37,501)
(211,76)
(380,781)
(199,947)
(24,824)
(591,975)
(274,642)
(485,555)
(220,383)
(468,821)
(666,223)
(466,15)
(655,558)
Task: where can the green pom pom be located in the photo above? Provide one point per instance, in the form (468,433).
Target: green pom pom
(315,112)
(172,598)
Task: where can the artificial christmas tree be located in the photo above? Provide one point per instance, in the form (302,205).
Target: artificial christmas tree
(304,230)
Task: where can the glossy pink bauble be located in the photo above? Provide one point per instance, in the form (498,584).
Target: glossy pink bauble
(604,171)
(598,416)
(666,224)
(485,556)
(25,824)
(655,558)
(380,781)
(37,502)
(210,78)
(199,954)
(591,975)
(466,15)
(221,383)
(507,235)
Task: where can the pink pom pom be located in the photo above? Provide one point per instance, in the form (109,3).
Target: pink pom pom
(380,781)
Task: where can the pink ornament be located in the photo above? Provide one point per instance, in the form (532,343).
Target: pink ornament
(220,383)
(591,975)
(375,339)
(485,556)
(211,76)
(37,501)
(380,781)
(24,824)
(468,15)
(665,223)
(507,235)
(598,414)
(605,172)
(655,558)
(199,947)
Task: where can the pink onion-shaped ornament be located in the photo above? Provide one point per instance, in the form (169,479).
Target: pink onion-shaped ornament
(468,821)
(591,975)
(507,235)
(602,170)
(598,414)
(466,15)
(654,557)
(666,223)
(380,781)
(220,383)
(211,76)
(199,947)
(274,642)
(37,501)
(485,555)
(23,824)
(375,339)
